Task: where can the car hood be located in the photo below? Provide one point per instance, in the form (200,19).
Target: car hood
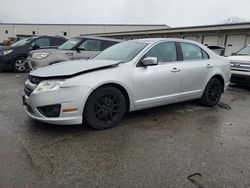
(72,68)
(2,48)
(239,58)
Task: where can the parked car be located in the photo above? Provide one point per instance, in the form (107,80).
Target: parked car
(82,47)
(13,57)
(128,76)
(219,50)
(240,66)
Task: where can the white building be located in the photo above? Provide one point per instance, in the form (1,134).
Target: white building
(67,30)
(232,36)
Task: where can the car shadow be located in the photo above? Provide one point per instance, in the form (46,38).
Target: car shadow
(41,127)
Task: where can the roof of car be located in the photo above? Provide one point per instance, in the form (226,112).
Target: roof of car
(101,38)
(154,40)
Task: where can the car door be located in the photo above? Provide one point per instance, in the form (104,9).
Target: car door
(158,84)
(87,49)
(196,68)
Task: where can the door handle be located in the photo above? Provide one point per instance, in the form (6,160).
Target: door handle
(69,54)
(175,70)
(209,66)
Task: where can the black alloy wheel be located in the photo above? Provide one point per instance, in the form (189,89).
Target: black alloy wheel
(212,93)
(105,108)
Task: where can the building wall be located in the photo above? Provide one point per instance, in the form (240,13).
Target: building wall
(233,40)
(67,30)
(231,37)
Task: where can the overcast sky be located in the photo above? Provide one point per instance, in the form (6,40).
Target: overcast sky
(170,12)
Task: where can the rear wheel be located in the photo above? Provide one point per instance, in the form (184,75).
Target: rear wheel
(18,64)
(105,108)
(212,93)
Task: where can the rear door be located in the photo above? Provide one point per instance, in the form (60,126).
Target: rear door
(87,49)
(196,68)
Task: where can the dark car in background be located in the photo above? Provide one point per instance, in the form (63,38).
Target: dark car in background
(81,47)
(13,57)
(219,50)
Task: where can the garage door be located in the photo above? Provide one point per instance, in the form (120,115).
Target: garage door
(234,43)
(174,36)
(194,38)
(211,40)
(248,40)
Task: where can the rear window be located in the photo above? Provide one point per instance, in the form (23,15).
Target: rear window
(192,52)
(107,44)
(57,41)
(42,42)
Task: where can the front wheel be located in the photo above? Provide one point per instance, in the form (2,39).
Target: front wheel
(18,64)
(105,108)
(212,93)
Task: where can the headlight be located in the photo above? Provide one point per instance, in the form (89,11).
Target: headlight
(39,55)
(5,52)
(48,85)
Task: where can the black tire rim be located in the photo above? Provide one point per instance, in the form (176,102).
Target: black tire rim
(214,93)
(107,108)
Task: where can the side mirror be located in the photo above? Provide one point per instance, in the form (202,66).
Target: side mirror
(79,49)
(35,47)
(149,61)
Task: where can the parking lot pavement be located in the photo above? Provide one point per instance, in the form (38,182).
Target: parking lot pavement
(158,147)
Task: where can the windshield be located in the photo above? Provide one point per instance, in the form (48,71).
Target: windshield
(70,44)
(123,52)
(22,42)
(244,51)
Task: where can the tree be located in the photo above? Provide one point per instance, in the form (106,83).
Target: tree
(233,20)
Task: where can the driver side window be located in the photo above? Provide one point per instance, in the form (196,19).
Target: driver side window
(164,52)
(42,42)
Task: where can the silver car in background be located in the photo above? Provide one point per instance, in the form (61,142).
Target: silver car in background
(82,47)
(129,76)
(240,66)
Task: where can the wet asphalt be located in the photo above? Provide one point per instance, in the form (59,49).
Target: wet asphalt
(180,145)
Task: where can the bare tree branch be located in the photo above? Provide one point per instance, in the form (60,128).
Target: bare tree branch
(233,20)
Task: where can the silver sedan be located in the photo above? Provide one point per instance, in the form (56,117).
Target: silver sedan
(129,76)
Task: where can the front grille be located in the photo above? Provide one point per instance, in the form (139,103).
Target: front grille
(240,66)
(35,80)
(27,90)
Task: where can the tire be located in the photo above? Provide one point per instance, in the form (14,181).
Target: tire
(18,64)
(212,93)
(104,108)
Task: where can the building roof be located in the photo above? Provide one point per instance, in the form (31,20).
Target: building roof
(153,25)
(217,27)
